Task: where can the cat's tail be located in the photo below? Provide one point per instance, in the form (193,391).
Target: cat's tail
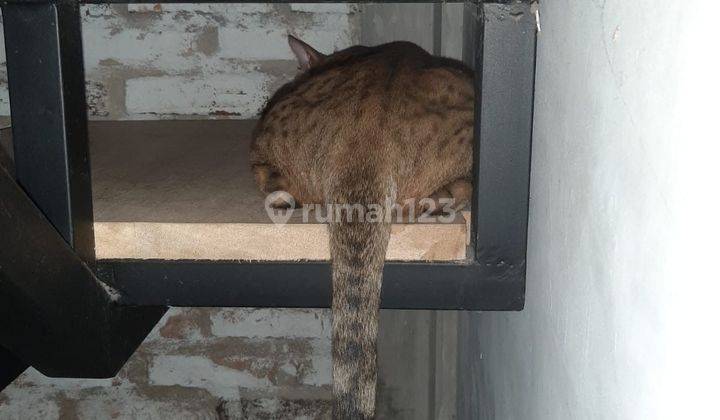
(358,241)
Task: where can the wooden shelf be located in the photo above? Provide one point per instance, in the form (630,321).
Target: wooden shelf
(184,190)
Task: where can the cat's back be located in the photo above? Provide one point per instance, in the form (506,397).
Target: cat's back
(389,103)
(380,79)
(393,78)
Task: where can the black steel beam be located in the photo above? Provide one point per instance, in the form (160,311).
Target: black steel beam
(307,284)
(503,134)
(55,314)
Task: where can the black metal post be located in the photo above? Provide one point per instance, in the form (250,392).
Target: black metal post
(55,314)
(307,284)
(10,367)
(503,136)
(49,117)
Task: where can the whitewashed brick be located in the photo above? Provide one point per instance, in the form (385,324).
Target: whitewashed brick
(270,43)
(129,404)
(156,40)
(237,94)
(24,407)
(255,323)
(180,324)
(321,360)
(95,10)
(96,97)
(145,8)
(200,372)
(274,408)
(322,7)
(159,48)
(2,45)
(32,379)
(263,43)
(222,9)
(167,43)
(4,100)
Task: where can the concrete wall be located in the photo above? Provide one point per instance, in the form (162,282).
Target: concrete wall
(620,320)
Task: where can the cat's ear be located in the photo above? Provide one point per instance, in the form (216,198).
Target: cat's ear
(307,56)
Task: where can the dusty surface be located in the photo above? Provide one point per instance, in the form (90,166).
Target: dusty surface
(183,190)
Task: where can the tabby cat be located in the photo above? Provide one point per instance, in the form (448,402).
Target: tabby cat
(365,125)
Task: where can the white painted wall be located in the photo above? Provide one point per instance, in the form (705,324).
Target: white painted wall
(621,320)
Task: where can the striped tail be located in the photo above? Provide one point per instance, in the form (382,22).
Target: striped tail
(358,255)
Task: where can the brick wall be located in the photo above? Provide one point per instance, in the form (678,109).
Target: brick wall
(222,363)
(196,364)
(150,61)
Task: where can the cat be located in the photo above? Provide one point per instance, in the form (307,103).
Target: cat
(366,125)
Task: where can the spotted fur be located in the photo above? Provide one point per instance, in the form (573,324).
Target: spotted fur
(364,125)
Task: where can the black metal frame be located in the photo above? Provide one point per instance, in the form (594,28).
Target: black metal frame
(46,82)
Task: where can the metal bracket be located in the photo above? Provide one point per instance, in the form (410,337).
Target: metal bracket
(56,315)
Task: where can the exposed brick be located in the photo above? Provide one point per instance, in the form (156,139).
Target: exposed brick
(199,372)
(271,323)
(327,34)
(194,42)
(27,403)
(323,7)
(150,403)
(4,99)
(235,94)
(97,10)
(164,45)
(184,324)
(255,43)
(97,96)
(223,9)
(286,409)
(31,379)
(23,409)
(275,362)
(275,374)
(321,360)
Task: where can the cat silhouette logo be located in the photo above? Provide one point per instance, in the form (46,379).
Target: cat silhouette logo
(279,206)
